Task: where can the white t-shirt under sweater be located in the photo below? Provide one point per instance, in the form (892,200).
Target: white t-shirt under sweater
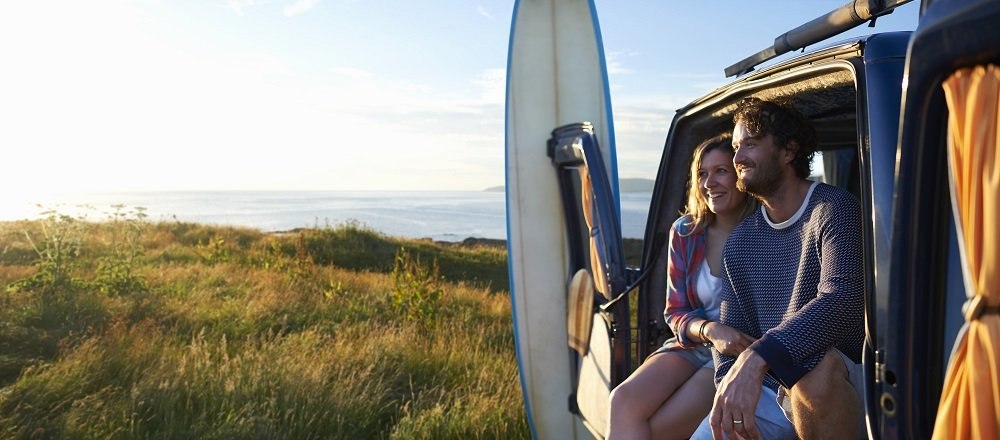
(709,287)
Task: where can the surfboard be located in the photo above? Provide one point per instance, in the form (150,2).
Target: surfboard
(556,75)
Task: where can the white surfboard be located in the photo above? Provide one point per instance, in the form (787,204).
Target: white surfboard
(556,75)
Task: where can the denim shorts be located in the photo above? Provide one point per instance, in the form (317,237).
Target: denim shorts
(700,356)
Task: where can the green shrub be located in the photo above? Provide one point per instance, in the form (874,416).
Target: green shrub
(215,251)
(416,288)
(116,271)
(57,246)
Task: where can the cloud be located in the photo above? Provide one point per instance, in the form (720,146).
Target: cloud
(373,94)
(615,61)
(417,135)
(693,76)
(300,7)
(238,6)
(482,11)
(493,85)
(351,73)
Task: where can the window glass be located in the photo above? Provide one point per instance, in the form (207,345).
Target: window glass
(837,167)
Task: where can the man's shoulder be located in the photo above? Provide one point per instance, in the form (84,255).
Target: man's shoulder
(827,192)
(834,205)
(835,197)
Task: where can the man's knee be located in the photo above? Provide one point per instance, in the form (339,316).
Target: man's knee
(828,390)
(825,400)
(827,381)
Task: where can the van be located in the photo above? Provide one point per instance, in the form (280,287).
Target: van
(879,108)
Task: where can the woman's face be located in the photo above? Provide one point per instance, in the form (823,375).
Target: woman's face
(717,182)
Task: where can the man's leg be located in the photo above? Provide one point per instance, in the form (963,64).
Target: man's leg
(825,403)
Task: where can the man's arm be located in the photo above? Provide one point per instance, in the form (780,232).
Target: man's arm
(736,399)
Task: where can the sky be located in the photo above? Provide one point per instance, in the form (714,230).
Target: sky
(347,95)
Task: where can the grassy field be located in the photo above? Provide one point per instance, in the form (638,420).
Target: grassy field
(129,329)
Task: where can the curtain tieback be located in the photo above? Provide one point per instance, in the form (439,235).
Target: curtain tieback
(975,307)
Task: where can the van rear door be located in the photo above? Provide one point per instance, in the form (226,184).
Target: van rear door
(598,324)
(926,288)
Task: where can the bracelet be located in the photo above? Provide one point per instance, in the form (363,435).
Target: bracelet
(701,332)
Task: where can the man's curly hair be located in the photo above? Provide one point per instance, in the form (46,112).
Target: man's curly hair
(781,120)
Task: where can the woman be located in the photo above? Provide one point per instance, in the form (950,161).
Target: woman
(672,391)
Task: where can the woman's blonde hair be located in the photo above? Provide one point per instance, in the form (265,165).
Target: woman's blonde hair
(697,206)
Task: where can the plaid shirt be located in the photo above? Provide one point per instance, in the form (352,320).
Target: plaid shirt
(686,252)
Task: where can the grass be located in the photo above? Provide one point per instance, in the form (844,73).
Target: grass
(194,331)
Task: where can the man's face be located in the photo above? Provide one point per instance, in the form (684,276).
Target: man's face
(758,162)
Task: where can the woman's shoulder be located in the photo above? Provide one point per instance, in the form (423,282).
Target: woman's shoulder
(684,225)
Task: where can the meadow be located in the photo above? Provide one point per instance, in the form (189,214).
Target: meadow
(123,328)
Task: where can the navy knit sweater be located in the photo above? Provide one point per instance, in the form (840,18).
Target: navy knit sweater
(797,286)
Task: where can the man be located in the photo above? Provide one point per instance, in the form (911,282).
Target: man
(794,282)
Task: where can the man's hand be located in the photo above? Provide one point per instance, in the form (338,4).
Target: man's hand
(727,340)
(736,398)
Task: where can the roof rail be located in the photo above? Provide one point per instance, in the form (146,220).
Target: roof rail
(825,26)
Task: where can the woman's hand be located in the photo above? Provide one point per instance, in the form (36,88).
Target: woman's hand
(727,340)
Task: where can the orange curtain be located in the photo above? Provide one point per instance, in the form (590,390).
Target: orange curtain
(970,400)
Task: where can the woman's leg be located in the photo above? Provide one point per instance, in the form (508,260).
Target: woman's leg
(680,415)
(636,399)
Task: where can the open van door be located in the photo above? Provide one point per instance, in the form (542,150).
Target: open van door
(598,325)
(934,248)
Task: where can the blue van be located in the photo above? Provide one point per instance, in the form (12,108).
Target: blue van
(878,106)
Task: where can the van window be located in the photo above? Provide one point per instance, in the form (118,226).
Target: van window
(838,167)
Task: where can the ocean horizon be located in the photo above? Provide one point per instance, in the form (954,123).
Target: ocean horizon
(439,215)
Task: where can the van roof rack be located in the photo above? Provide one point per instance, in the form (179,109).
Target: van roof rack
(825,26)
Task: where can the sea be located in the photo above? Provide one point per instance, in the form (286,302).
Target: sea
(439,215)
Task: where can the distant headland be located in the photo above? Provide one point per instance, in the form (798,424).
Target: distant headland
(624,185)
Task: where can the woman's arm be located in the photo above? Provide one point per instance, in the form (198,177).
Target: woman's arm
(680,311)
(727,340)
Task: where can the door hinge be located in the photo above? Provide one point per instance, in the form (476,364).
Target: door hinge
(879,366)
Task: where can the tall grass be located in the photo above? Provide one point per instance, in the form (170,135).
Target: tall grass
(213,332)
